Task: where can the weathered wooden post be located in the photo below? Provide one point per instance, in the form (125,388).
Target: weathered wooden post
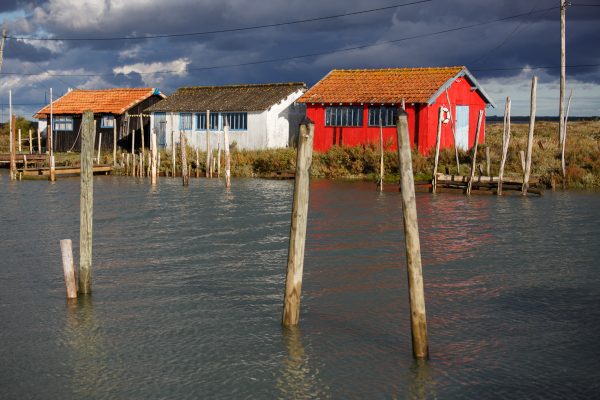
(142,133)
(39,140)
(522,157)
(20,140)
(505,142)
(127,165)
(437,151)
(530,136)
(474,161)
(227,155)
(86,203)
(99,147)
(487,161)
(173,149)
(115,142)
(380,152)
(184,168)
(154,157)
(219,156)
(50,139)
(66,250)
(13,150)
(295,264)
(562,153)
(208,144)
(197,163)
(418,319)
(30,142)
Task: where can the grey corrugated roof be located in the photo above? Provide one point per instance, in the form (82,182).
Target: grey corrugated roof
(255,97)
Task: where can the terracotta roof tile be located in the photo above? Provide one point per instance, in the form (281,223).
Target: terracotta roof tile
(415,85)
(109,101)
(250,97)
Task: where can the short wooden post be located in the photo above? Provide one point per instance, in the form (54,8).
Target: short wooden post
(197,163)
(219,157)
(208,144)
(530,136)
(30,142)
(227,155)
(127,165)
(53,168)
(24,163)
(154,157)
(474,161)
(522,156)
(20,140)
(173,150)
(418,319)
(438,139)
(114,142)
(13,151)
(39,140)
(505,142)
(66,250)
(158,163)
(133,152)
(99,147)
(86,203)
(295,264)
(184,167)
(487,161)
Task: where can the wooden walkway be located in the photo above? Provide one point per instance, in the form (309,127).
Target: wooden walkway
(481,184)
(31,158)
(45,171)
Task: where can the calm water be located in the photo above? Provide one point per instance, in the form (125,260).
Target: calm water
(188,287)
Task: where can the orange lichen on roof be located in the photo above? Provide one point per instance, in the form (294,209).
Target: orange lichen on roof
(105,101)
(414,85)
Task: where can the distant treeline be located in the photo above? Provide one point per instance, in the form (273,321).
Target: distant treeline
(525,119)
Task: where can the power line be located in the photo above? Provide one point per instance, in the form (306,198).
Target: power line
(316,54)
(160,36)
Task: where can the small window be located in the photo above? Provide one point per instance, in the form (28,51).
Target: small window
(343,116)
(237,121)
(63,124)
(107,121)
(201,121)
(388,116)
(185,121)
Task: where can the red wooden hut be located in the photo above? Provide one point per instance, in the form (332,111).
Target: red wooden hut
(348,106)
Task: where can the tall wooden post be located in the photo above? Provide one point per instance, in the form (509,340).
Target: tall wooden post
(51,140)
(227,155)
(30,142)
(13,149)
(20,141)
(115,142)
(295,264)
(530,136)
(487,161)
(142,133)
(154,157)
(418,319)
(99,147)
(474,161)
(564,143)
(219,156)
(86,203)
(207,143)
(184,172)
(505,142)
(437,151)
(380,151)
(173,148)
(66,250)
(39,140)
(563,71)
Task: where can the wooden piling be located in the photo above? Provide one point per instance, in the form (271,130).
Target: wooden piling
(66,250)
(219,157)
(474,161)
(154,158)
(39,140)
(505,142)
(208,144)
(418,317)
(487,161)
(99,147)
(184,167)
(30,142)
(437,150)
(173,149)
(380,152)
(530,136)
(19,142)
(127,165)
(197,163)
(115,142)
(86,203)
(227,155)
(13,150)
(142,133)
(295,265)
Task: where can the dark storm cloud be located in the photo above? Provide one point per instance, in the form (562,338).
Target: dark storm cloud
(22,51)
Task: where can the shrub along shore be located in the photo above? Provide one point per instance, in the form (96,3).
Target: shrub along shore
(582,157)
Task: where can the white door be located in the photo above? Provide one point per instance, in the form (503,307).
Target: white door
(462,127)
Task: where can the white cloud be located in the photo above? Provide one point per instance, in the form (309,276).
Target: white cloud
(149,71)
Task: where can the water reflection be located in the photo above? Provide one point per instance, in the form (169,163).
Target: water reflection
(297,379)
(85,339)
(421,384)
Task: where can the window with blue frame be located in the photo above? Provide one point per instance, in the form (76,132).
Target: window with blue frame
(237,121)
(201,121)
(62,123)
(344,116)
(185,121)
(388,116)
(107,121)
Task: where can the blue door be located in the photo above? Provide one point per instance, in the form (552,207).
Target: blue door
(160,127)
(462,127)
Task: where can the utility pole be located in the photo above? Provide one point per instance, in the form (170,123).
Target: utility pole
(561,108)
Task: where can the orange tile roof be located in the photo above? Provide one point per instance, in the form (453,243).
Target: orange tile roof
(415,85)
(109,101)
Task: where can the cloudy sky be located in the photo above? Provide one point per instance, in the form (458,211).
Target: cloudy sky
(502,42)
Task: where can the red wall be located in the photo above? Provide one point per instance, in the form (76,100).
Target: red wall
(421,119)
